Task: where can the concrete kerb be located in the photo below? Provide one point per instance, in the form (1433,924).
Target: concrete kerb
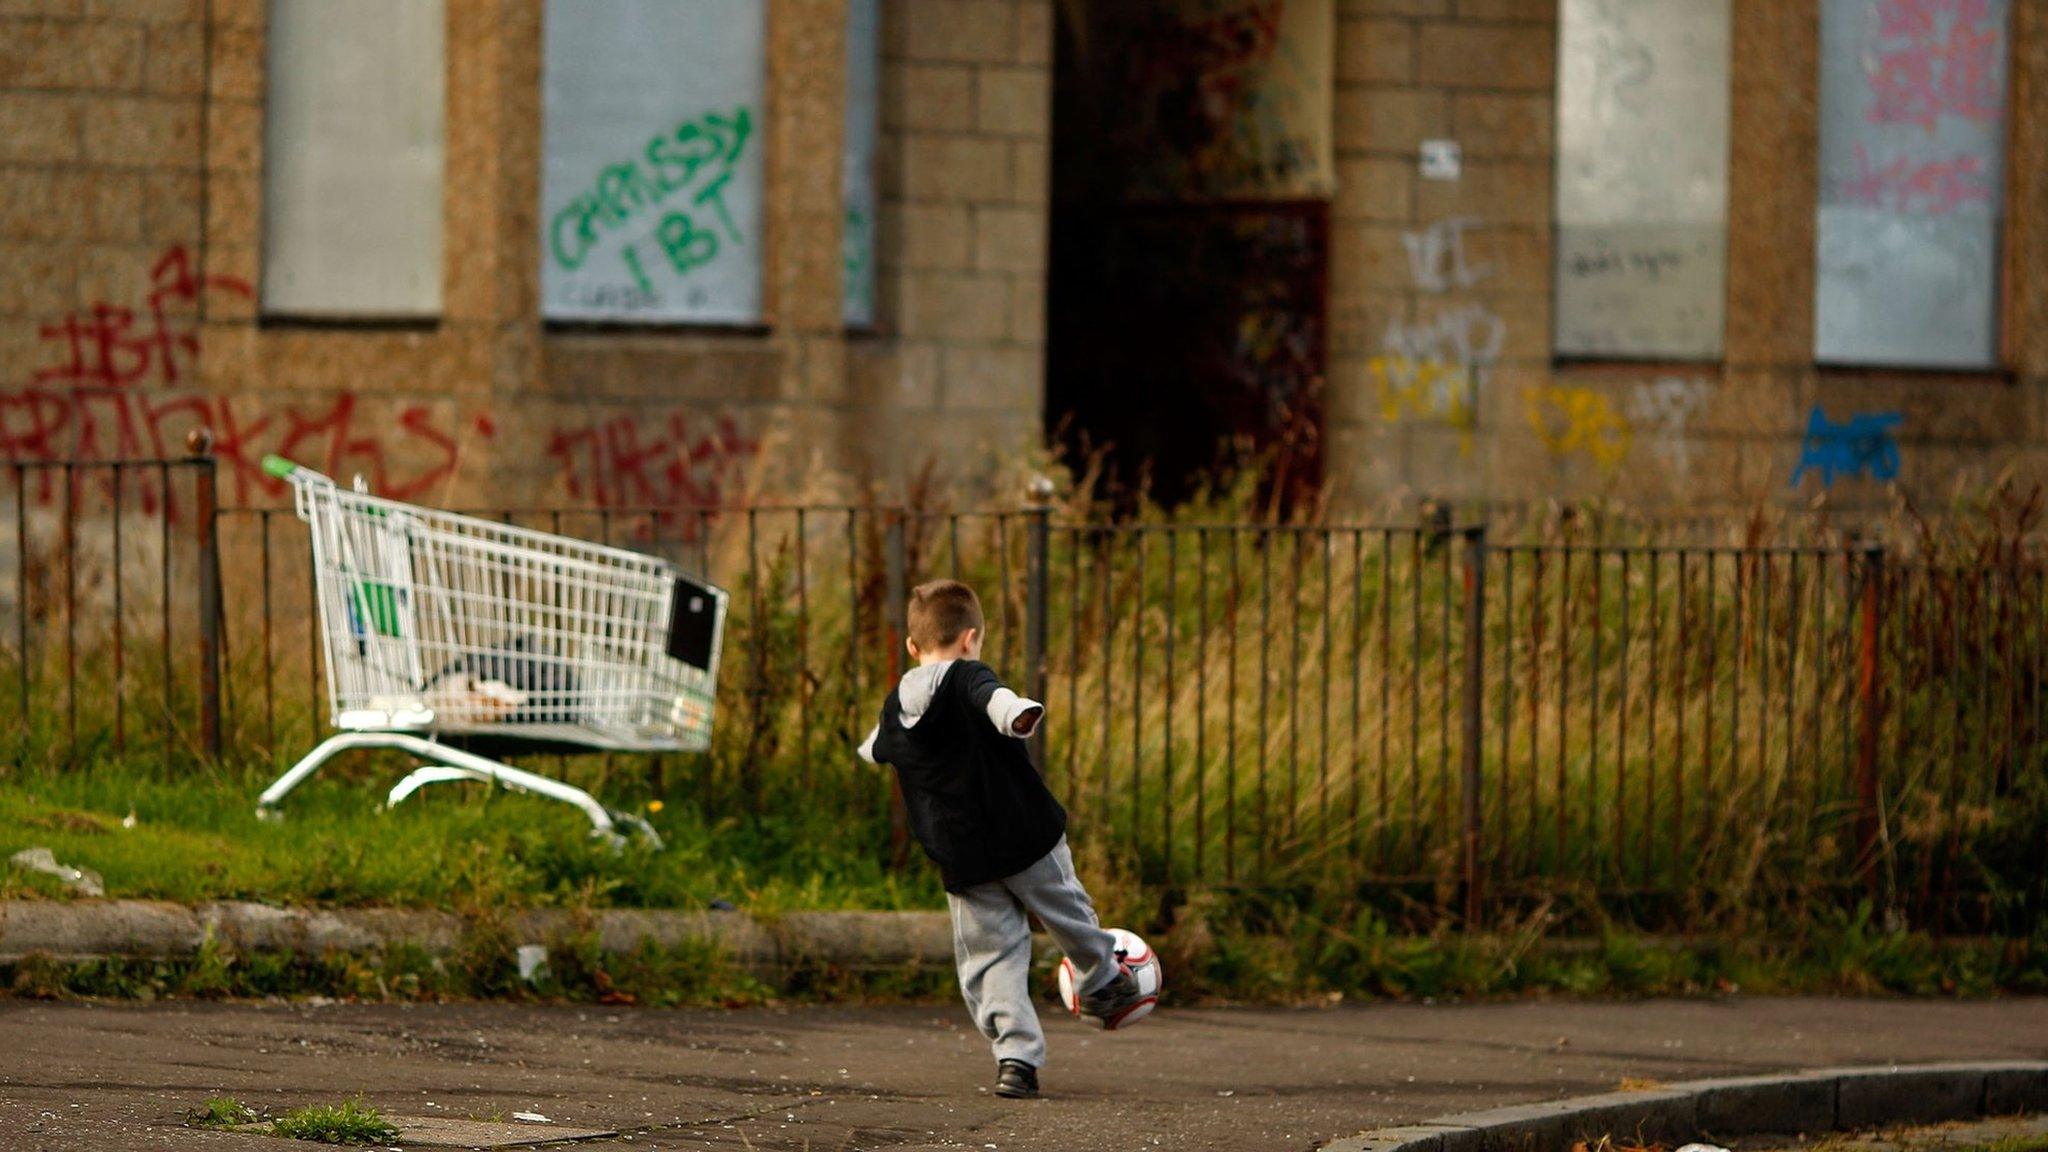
(98,929)
(1823,1100)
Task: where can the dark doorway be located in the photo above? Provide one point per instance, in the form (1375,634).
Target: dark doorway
(1186,329)
(1187,340)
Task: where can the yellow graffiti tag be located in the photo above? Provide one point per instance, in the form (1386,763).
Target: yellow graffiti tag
(1411,388)
(1573,420)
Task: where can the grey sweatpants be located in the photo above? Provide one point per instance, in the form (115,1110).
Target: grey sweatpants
(992,948)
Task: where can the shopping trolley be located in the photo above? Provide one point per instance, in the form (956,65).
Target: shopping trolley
(439,630)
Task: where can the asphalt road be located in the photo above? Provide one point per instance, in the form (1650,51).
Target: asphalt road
(114,1077)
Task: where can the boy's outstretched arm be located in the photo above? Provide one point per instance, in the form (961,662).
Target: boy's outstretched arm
(1013,715)
(866,751)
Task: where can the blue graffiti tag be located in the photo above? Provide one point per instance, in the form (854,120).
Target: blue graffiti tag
(1862,444)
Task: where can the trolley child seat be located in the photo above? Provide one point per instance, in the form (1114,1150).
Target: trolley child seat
(437,625)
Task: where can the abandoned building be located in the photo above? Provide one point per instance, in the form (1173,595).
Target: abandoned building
(1686,254)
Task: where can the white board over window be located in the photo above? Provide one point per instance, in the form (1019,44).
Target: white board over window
(353,158)
(652,171)
(1642,178)
(863,103)
(1912,170)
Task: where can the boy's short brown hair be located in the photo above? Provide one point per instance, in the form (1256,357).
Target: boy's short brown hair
(940,611)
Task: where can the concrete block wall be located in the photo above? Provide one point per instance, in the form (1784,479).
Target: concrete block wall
(131,209)
(965,182)
(1426,275)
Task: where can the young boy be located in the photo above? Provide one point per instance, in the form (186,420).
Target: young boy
(955,736)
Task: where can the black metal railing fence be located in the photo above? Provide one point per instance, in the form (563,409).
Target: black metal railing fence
(1464,723)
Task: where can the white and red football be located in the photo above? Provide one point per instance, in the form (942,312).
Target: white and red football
(1142,963)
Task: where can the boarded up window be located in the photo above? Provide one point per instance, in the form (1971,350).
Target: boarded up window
(863,93)
(1642,178)
(651,182)
(353,148)
(1912,163)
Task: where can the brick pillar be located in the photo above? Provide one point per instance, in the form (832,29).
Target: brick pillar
(964,181)
(2027,197)
(806,98)
(1409,256)
(1773,179)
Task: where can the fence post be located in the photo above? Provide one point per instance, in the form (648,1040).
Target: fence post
(894,627)
(1038,542)
(1473,703)
(205,528)
(1870,707)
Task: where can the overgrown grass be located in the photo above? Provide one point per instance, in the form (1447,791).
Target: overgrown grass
(1309,954)
(1237,703)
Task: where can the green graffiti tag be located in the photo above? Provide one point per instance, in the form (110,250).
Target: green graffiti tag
(699,155)
(857,246)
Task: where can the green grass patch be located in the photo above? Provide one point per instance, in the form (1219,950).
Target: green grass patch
(350,1122)
(195,837)
(223,1112)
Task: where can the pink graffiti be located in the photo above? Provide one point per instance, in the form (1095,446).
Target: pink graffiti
(108,393)
(1935,188)
(1935,58)
(663,467)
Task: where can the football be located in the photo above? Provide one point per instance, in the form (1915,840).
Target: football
(1143,963)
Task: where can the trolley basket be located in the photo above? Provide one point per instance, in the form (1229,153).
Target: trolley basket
(440,627)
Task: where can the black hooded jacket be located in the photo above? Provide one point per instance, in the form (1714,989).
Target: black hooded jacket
(975,802)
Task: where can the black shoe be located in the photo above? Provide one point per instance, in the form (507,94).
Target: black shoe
(1016,1079)
(1110,1002)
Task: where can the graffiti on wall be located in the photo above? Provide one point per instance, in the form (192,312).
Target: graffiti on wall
(1436,257)
(1930,59)
(1661,411)
(1863,445)
(1570,421)
(651,169)
(666,467)
(113,383)
(1934,188)
(697,157)
(1912,157)
(1417,389)
(1435,369)
(109,388)
(110,345)
(1936,58)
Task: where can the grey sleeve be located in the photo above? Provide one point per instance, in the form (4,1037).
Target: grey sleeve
(1012,715)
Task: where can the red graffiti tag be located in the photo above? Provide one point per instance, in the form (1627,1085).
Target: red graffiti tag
(1935,58)
(104,345)
(670,473)
(97,400)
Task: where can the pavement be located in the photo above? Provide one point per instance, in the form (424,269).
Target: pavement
(113,1077)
